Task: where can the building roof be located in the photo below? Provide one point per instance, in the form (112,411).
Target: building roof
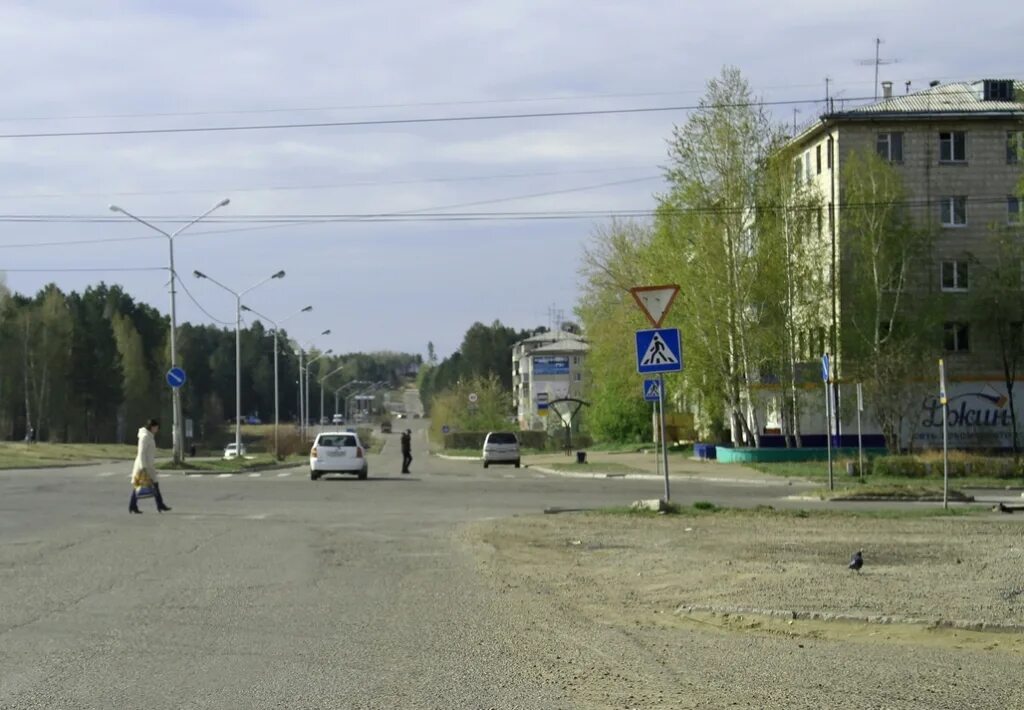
(551,337)
(964,99)
(956,98)
(561,346)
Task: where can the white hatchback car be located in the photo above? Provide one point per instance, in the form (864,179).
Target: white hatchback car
(231,452)
(501,447)
(338,452)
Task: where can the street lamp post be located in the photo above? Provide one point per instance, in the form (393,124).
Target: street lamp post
(277,328)
(238,347)
(178,441)
(322,381)
(310,362)
(341,389)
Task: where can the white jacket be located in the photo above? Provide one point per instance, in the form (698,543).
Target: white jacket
(145,460)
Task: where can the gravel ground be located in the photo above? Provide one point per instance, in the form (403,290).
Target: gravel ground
(615,594)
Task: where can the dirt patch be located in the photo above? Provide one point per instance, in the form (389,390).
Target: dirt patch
(760,610)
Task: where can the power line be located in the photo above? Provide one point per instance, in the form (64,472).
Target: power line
(197,303)
(405,121)
(335,186)
(89,270)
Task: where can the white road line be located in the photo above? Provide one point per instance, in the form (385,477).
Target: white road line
(106,474)
(282,475)
(255,475)
(508,475)
(224,475)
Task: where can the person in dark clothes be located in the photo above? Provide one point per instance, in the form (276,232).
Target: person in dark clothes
(406,450)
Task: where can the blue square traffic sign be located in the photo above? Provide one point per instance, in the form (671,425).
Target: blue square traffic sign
(659,350)
(652,390)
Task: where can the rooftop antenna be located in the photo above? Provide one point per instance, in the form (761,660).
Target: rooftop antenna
(795,112)
(877,62)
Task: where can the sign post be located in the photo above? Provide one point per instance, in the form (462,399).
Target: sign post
(826,375)
(658,351)
(860,439)
(944,401)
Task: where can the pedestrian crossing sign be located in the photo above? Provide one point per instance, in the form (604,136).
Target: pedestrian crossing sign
(658,350)
(652,390)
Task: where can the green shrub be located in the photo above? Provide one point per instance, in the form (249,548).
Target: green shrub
(902,466)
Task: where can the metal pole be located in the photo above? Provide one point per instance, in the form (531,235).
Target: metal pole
(944,400)
(277,413)
(664,441)
(321,401)
(302,428)
(177,444)
(238,376)
(860,439)
(305,421)
(828,435)
(657,438)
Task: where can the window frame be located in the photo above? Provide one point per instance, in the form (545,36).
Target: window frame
(959,330)
(1013,207)
(817,158)
(951,201)
(889,156)
(1014,147)
(960,271)
(951,142)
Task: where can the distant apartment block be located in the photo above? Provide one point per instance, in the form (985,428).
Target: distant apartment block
(551,364)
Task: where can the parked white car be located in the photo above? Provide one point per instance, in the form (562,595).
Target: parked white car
(337,452)
(501,447)
(230,452)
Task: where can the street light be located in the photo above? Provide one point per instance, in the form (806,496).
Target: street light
(322,380)
(344,387)
(178,442)
(370,388)
(277,328)
(310,362)
(303,383)
(238,346)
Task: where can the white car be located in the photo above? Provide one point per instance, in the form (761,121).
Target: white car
(231,452)
(338,419)
(501,447)
(338,452)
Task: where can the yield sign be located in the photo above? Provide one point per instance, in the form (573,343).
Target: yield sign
(655,301)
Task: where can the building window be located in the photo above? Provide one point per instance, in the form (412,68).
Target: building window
(817,159)
(1013,211)
(953,211)
(807,166)
(956,337)
(797,171)
(579,377)
(828,151)
(1014,146)
(953,147)
(890,147)
(954,276)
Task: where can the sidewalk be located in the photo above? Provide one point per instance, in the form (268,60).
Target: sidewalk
(640,465)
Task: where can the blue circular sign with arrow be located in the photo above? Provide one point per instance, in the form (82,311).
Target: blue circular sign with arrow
(175,377)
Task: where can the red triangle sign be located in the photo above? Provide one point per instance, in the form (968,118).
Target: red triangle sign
(655,301)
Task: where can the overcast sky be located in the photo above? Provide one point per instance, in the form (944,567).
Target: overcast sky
(76,66)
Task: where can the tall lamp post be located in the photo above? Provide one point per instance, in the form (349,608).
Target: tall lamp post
(303,402)
(277,329)
(310,362)
(238,346)
(178,441)
(322,381)
(341,389)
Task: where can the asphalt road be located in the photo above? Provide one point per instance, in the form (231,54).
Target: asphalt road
(272,591)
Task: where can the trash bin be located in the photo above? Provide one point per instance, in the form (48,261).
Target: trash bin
(581,457)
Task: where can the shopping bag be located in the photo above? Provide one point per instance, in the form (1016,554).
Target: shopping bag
(144,492)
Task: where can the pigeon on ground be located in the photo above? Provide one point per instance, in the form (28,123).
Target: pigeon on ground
(857,561)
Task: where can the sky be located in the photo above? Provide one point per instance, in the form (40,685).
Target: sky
(397,283)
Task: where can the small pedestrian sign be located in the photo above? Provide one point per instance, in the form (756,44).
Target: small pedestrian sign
(652,390)
(175,377)
(826,368)
(658,350)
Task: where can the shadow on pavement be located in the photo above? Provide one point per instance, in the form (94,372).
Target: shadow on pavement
(352,479)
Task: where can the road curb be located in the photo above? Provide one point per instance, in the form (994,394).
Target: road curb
(205,472)
(446,457)
(654,477)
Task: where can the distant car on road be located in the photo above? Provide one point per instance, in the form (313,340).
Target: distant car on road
(231,452)
(501,447)
(385,427)
(251,419)
(338,452)
(338,419)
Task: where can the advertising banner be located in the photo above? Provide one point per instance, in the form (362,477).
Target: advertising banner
(551,365)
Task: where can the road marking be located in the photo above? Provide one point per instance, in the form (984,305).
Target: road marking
(255,475)
(107,473)
(282,475)
(224,475)
(508,475)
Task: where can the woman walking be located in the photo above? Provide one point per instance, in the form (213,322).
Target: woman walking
(144,471)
